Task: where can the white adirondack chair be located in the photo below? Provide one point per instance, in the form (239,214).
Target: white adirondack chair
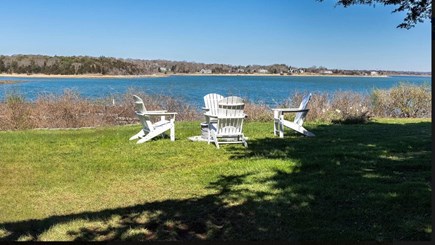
(229,124)
(211,104)
(150,129)
(210,108)
(301,113)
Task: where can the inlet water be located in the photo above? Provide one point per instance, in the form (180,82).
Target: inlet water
(271,90)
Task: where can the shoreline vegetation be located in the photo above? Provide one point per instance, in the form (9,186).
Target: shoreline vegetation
(70,110)
(109,67)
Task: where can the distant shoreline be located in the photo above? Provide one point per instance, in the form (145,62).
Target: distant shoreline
(177,74)
(79,76)
(274,75)
(189,74)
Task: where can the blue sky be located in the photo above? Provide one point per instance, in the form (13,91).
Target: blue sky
(238,32)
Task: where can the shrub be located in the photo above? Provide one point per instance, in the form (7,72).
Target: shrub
(15,113)
(350,108)
(340,107)
(258,112)
(404,100)
(70,110)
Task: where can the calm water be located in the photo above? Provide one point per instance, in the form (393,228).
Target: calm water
(270,90)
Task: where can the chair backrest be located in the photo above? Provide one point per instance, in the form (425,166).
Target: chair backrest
(211,101)
(140,108)
(230,115)
(300,116)
(138,104)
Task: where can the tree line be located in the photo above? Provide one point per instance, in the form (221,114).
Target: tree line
(84,65)
(81,65)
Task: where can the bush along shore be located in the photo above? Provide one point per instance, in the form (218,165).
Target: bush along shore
(70,110)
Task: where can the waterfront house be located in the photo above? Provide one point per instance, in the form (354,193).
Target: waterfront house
(205,71)
(295,71)
(263,71)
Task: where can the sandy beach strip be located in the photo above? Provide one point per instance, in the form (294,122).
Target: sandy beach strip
(80,76)
(179,74)
(272,75)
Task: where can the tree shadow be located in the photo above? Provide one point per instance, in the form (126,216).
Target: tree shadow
(208,217)
(362,182)
(367,178)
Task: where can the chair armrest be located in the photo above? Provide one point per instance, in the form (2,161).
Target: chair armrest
(158,113)
(163,111)
(210,115)
(284,110)
(216,116)
(239,116)
(233,117)
(234,104)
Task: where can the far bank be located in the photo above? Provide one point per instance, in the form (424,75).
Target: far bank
(180,74)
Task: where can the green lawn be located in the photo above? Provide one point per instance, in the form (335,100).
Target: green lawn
(350,182)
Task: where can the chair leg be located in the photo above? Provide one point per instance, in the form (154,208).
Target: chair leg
(216,142)
(138,135)
(173,132)
(215,139)
(281,130)
(244,141)
(275,122)
(298,128)
(305,132)
(274,128)
(208,139)
(149,136)
(209,134)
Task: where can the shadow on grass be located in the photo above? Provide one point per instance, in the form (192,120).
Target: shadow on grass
(353,182)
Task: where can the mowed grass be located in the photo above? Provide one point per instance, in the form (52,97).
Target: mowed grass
(350,182)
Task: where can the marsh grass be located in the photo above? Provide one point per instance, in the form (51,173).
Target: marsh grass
(404,100)
(350,182)
(339,107)
(257,112)
(70,110)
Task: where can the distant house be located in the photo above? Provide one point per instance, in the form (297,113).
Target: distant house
(205,71)
(162,69)
(263,71)
(240,70)
(374,73)
(295,71)
(326,72)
